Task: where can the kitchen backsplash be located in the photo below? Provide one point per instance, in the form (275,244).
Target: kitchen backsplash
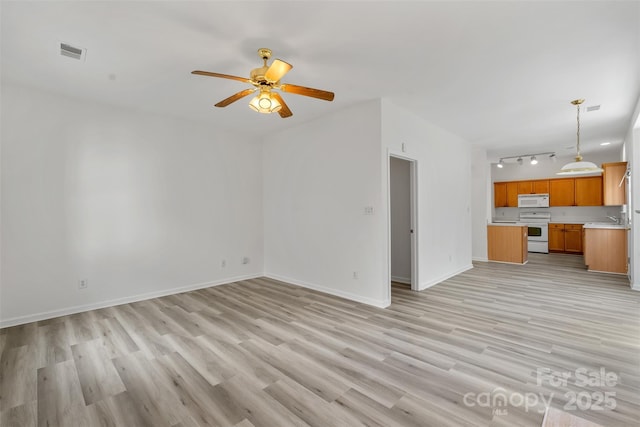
(566,214)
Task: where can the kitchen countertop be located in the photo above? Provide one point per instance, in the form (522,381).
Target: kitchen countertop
(606,225)
(507,224)
(568,222)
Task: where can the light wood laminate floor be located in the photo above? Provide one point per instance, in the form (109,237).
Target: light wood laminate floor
(265,353)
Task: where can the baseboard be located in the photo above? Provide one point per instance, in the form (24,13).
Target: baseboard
(635,286)
(405,280)
(331,291)
(434,282)
(14,321)
(484,259)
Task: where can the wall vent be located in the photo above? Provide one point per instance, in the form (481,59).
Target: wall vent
(72,51)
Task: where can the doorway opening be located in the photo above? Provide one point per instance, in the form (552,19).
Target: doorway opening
(403,253)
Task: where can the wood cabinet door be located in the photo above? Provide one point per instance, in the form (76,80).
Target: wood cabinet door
(525,187)
(512,194)
(614,194)
(541,187)
(556,237)
(589,191)
(606,250)
(562,192)
(500,194)
(573,238)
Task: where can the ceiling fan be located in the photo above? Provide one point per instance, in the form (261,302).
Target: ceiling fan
(266,80)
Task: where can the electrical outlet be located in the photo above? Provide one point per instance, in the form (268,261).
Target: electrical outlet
(83,284)
(223,263)
(245,260)
(368,210)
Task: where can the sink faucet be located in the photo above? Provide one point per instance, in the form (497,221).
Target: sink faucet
(613,218)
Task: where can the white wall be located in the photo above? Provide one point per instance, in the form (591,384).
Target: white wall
(481,203)
(632,154)
(318,179)
(400,197)
(138,204)
(634,212)
(444,191)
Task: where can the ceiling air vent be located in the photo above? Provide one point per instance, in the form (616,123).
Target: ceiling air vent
(593,108)
(72,51)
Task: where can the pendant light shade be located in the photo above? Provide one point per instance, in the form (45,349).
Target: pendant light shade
(579,167)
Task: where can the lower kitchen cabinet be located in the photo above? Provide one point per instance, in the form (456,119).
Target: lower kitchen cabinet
(565,238)
(507,243)
(605,249)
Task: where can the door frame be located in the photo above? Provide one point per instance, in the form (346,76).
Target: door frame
(414,213)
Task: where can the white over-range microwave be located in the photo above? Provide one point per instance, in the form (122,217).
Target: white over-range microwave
(533,200)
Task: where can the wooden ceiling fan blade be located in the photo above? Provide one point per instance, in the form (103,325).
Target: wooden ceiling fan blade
(284,111)
(277,70)
(308,91)
(224,76)
(235,97)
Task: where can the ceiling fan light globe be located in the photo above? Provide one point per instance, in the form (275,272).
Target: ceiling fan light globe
(265,103)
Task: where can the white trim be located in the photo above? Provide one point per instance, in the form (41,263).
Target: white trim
(14,321)
(415,215)
(480,259)
(331,291)
(635,286)
(434,282)
(405,280)
(608,272)
(509,262)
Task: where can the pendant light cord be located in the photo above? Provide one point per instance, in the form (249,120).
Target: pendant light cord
(578,133)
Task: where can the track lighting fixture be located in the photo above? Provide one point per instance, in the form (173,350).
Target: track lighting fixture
(519,158)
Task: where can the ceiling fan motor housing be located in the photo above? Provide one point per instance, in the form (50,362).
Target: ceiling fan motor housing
(257,75)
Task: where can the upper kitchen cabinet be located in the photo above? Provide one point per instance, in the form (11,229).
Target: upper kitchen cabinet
(589,191)
(533,187)
(580,191)
(613,183)
(585,191)
(505,194)
(562,192)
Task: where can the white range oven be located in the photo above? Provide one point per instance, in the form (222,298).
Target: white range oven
(538,225)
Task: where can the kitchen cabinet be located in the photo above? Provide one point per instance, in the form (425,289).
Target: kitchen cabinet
(605,249)
(614,194)
(585,191)
(562,192)
(588,191)
(565,238)
(582,191)
(573,238)
(505,194)
(533,187)
(507,243)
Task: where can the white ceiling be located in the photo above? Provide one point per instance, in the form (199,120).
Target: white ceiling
(500,74)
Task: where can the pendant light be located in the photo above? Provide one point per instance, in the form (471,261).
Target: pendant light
(579,167)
